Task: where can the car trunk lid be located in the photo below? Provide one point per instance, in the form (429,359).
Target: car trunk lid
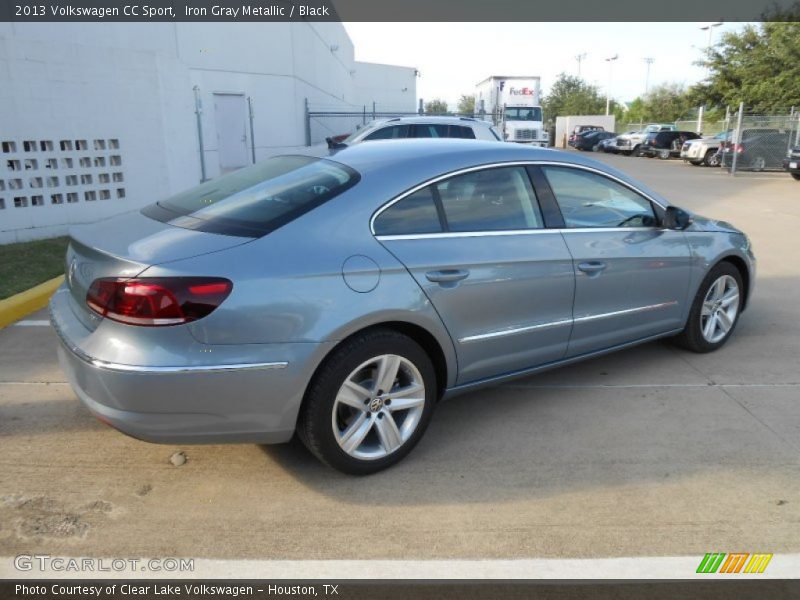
(126,245)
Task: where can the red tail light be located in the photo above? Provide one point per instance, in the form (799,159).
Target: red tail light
(157,301)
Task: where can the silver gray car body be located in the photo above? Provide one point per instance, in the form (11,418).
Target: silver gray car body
(240,374)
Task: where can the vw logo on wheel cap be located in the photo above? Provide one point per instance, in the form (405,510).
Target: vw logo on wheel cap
(376,404)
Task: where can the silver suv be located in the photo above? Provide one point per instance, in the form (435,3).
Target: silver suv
(421,127)
(705,151)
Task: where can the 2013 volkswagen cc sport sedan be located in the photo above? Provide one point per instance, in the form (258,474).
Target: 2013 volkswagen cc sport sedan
(342,298)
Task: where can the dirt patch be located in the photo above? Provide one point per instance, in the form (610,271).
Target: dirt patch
(46,517)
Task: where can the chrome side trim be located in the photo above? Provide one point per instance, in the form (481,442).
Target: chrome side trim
(516,330)
(517,163)
(468,234)
(627,311)
(560,322)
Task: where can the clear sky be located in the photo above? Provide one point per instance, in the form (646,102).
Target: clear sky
(453,57)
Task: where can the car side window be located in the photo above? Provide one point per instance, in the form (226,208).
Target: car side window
(416,213)
(430,131)
(459,131)
(490,200)
(388,133)
(590,200)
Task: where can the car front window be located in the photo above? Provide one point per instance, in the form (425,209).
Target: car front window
(590,200)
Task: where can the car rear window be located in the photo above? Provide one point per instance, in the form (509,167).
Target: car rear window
(256,200)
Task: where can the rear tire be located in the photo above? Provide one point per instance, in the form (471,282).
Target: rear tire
(363,435)
(796,176)
(759,163)
(663,154)
(715,310)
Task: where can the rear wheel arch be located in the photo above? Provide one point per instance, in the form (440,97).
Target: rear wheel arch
(428,341)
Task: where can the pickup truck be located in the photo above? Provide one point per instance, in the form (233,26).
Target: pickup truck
(631,143)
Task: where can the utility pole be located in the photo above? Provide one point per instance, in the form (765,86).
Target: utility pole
(610,60)
(649,61)
(580,58)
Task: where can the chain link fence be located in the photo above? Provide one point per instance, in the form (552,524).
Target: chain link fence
(759,141)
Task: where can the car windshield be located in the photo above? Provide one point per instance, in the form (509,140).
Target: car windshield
(524,114)
(257,200)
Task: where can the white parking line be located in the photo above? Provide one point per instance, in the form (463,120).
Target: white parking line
(32,323)
(780,566)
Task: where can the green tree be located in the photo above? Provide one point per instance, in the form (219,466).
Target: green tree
(436,106)
(758,65)
(466,104)
(571,95)
(666,103)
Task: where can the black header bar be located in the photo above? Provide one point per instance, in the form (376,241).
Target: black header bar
(400,10)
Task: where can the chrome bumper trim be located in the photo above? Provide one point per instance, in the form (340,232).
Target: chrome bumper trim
(161,370)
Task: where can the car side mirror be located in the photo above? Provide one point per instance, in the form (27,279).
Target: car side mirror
(676,218)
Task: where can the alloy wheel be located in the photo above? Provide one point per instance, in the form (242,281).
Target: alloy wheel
(378,407)
(759,163)
(720,307)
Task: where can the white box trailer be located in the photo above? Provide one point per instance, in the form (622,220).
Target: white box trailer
(513,104)
(565,126)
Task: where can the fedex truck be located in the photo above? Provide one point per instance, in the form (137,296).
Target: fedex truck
(513,105)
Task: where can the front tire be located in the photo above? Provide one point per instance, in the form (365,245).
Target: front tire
(715,310)
(637,151)
(369,403)
(796,176)
(711,159)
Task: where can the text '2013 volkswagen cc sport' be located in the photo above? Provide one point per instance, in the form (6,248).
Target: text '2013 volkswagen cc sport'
(342,298)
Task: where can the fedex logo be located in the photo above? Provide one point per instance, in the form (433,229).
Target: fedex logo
(526,91)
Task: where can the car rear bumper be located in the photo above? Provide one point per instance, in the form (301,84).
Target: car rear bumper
(792,165)
(254,402)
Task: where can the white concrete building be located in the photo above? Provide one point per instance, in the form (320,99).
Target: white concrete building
(100,118)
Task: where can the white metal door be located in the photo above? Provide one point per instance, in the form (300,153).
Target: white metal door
(230,112)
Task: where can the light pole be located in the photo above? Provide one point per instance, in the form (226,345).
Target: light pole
(649,60)
(580,58)
(610,60)
(710,29)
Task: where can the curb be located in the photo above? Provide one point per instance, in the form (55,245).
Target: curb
(20,305)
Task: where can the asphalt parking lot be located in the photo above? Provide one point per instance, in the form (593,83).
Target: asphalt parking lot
(648,452)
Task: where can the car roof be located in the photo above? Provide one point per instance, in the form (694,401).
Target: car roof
(441,120)
(407,162)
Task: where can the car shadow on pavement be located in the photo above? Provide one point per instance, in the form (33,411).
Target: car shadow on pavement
(634,417)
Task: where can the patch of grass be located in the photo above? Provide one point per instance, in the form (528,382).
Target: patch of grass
(27,264)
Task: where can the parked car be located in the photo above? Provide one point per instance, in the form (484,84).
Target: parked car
(419,127)
(705,150)
(580,130)
(759,149)
(631,143)
(591,140)
(666,144)
(792,162)
(342,297)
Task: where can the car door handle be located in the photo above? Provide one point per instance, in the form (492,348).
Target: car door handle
(447,275)
(594,266)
